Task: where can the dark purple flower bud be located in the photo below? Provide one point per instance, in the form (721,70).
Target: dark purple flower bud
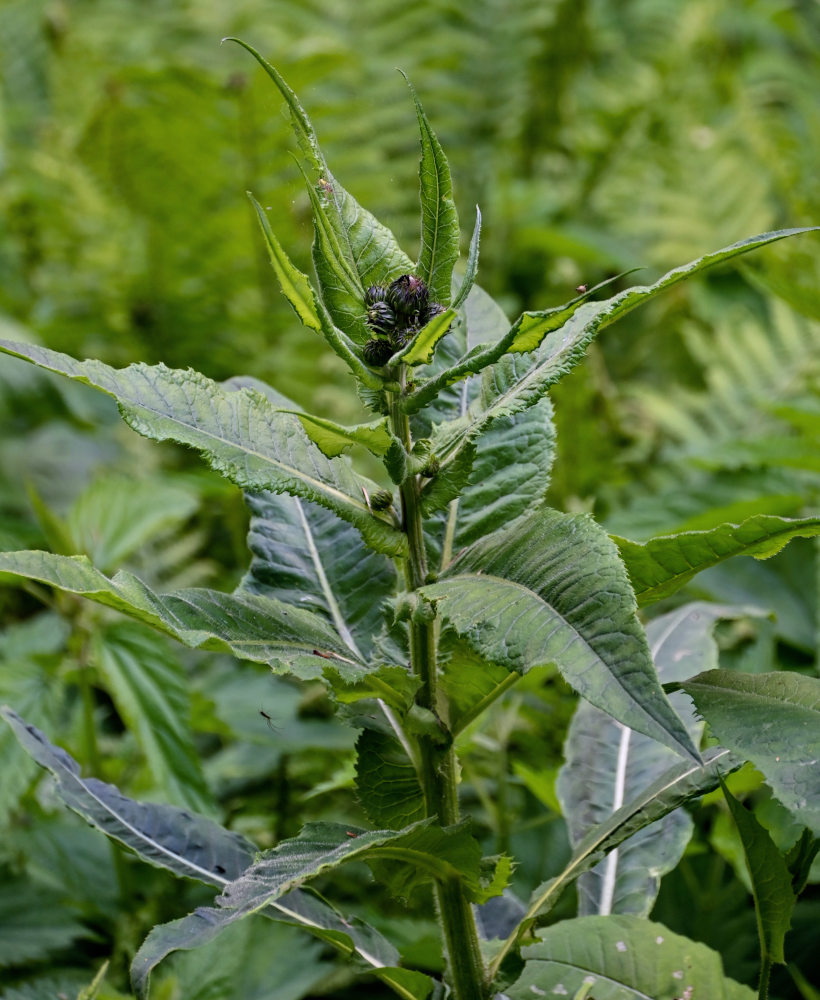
(377,353)
(381,318)
(433,309)
(376,293)
(408,294)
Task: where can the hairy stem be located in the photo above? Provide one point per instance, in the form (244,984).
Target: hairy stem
(438,770)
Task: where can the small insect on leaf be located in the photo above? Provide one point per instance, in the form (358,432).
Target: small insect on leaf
(269,719)
(351,835)
(325,656)
(326,186)
(580,289)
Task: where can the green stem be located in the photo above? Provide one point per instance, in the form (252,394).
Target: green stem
(765,976)
(438,768)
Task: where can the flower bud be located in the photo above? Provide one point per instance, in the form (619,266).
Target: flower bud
(408,294)
(380,317)
(377,352)
(433,309)
(376,293)
(381,500)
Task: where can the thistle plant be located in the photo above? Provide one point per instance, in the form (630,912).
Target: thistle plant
(423,599)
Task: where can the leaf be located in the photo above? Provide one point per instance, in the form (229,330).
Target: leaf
(563,334)
(425,851)
(680,783)
(660,566)
(771,881)
(349,240)
(240,434)
(472,264)
(527,598)
(250,626)
(773,720)
(194,847)
(304,301)
(440,235)
(35,923)
(608,764)
(150,691)
(387,782)
(305,556)
(420,349)
(623,958)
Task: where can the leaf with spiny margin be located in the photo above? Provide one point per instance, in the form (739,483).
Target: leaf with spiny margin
(555,592)
(387,783)
(472,265)
(422,851)
(773,720)
(240,434)
(440,237)
(622,958)
(304,301)
(560,347)
(607,764)
(360,245)
(198,848)
(678,785)
(660,566)
(252,627)
(771,880)
(392,684)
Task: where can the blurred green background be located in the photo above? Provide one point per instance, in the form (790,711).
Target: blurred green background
(596,135)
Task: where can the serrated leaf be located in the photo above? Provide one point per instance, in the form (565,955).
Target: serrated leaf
(35,923)
(240,434)
(622,958)
(304,555)
(660,566)
(151,693)
(607,764)
(773,720)
(526,598)
(420,349)
(250,626)
(678,785)
(387,781)
(427,851)
(349,240)
(440,237)
(771,881)
(472,264)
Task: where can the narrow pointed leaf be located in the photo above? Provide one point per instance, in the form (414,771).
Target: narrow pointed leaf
(526,598)
(773,720)
(564,334)
(608,764)
(239,433)
(678,785)
(420,350)
(305,556)
(440,235)
(250,626)
(771,880)
(622,958)
(662,565)
(472,264)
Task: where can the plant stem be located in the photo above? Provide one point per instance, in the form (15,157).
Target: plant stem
(438,771)
(765,977)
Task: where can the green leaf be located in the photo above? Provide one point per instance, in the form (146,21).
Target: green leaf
(151,693)
(563,334)
(239,433)
(622,958)
(773,720)
(771,881)
(526,598)
(420,349)
(333,439)
(440,237)
(250,626)
(304,301)
(35,924)
(662,565)
(349,240)
(472,264)
(608,764)
(680,783)
(387,781)
(421,850)
(305,556)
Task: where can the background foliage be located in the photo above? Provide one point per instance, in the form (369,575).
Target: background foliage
(595,136)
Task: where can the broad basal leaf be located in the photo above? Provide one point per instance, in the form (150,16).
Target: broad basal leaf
(250,626)
(555,592)
(440,235)
(304,555)
(240,434)
(608,764)
(773,720)
(622,958)
(662,565)
(771,881)
(352,250)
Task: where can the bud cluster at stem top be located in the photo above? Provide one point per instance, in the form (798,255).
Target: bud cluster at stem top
(395,314)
